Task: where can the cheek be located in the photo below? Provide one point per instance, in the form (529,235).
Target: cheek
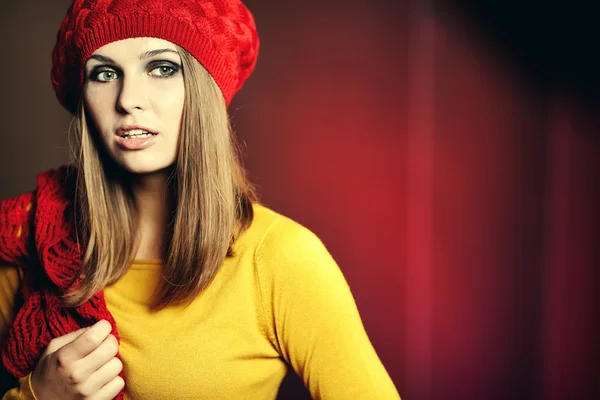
(175,98)
(96,104)
(171,105)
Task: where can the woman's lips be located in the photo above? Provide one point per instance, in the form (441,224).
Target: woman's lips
(123,129)
(136,143)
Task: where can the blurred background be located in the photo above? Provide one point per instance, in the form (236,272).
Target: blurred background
(446,152)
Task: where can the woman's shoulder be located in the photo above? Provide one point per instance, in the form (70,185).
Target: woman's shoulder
(271,230)
(278,240)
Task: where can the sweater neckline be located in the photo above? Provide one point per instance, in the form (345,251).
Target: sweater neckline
(150,263)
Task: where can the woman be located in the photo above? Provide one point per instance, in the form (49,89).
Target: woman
(147,269)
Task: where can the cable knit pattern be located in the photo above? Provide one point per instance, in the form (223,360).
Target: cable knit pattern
(46,250)
(220,34)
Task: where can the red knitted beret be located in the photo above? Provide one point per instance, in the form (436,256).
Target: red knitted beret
(220,34)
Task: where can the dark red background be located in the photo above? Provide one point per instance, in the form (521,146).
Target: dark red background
(447,154)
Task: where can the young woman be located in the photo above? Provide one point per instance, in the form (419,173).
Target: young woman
(147,269)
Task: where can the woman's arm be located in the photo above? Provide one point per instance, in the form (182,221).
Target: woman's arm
(9,285)
(313,320)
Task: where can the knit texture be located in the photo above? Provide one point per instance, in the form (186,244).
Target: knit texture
(49,262)
(220,34)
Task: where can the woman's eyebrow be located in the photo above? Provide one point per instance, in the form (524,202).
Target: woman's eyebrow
(102,58)
(153,53)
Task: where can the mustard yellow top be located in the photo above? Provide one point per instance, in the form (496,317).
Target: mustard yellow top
(281,300)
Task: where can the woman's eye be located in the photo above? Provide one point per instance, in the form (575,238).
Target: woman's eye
(105,76)
(163,71)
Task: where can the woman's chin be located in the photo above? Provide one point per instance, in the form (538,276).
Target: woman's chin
(146,168)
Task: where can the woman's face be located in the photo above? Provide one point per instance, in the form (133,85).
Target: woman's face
(134,93)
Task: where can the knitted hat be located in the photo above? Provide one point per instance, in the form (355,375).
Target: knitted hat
(220,34)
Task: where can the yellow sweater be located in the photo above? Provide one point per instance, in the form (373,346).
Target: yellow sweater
(281,300)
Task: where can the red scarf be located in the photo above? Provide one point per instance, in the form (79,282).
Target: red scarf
(36,234)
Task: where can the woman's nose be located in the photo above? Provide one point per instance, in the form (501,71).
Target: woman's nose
(132,95)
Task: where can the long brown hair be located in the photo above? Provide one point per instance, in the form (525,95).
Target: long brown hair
(213,200)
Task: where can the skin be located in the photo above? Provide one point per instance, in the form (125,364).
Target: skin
(140,88)
(124,85)
(80,365)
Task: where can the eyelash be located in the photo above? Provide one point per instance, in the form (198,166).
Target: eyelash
(172,67)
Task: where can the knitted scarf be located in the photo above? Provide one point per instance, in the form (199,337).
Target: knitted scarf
(36,234)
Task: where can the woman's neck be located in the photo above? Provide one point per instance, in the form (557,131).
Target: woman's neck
(155,203)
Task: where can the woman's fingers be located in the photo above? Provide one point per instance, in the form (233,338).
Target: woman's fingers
(61,341)
(101,377)
(99,356)
(83,344)
(109,391)
(83,369)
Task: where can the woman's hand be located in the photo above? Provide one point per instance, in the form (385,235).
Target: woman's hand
(80,365)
